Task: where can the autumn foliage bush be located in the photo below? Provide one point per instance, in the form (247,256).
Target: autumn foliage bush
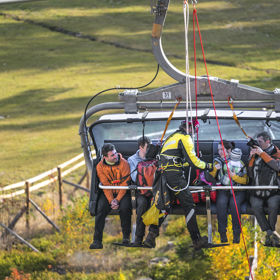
(230,262)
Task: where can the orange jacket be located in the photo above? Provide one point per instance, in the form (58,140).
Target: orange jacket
(109,173)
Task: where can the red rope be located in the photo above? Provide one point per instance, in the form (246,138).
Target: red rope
(213,102)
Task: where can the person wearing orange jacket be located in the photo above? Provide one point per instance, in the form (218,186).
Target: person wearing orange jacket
(264,170)
(112,170)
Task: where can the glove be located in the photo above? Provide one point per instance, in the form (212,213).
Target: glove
(209,166)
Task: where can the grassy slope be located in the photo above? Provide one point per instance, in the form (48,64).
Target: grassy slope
(47,77)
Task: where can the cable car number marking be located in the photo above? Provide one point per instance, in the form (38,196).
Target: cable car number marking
(166,95)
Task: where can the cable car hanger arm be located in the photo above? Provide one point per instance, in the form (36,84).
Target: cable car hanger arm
(222,89)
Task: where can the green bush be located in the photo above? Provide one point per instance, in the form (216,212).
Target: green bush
(49,275)
(176,226)
(23,261)
(197,268)
(43,244)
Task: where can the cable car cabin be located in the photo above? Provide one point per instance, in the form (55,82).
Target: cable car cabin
(123,130)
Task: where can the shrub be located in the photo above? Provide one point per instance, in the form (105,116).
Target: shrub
(23,261)
(18,275)
(176,226)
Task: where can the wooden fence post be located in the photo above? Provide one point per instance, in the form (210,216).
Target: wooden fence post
(27,203)
(60,186)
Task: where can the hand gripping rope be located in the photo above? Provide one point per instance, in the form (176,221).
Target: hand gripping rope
(195,20)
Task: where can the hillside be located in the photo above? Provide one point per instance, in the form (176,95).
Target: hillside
(48,71)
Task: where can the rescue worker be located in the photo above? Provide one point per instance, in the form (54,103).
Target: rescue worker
(176,157)
(112,170)
(264,167)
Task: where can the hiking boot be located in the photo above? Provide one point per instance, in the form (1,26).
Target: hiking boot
(126,241)
(202,242)
(267,240)
(96,245)
(150,241)
(223,236)
(275,239)
(236,238)
(138,241)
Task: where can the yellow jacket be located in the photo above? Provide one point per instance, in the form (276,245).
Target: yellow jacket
(242,180)
(179,150)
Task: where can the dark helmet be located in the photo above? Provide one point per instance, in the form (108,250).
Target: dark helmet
(194,123)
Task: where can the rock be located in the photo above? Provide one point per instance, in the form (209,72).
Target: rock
(159,261)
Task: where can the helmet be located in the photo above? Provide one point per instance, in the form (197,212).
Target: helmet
(194,123)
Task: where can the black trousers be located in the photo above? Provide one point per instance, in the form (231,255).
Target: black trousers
(273,204)
(224,201)
(143,203)
(104,208)
(176,180)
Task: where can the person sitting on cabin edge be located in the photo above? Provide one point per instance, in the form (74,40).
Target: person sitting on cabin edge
(143,197)
(112,170)
(264,167)
(176,156)
(225,198)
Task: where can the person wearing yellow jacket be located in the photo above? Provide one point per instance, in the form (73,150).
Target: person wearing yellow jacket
(176,156)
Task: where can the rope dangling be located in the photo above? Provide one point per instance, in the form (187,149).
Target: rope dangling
(219,130)
(188,84)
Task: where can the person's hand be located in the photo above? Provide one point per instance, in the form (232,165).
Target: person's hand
(218,166)
(114,204)
(209,166)
(256,150)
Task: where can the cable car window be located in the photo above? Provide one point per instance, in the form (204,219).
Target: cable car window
(132,130)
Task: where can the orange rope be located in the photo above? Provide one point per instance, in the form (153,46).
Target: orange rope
(230,103)
(170,117)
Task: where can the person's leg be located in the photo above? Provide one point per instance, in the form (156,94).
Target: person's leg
(186,202)
(240,197)
(153,233)
(103,208)
(273,204)
(125,210)
(273,238)
(222,213)
(150,240)
(177,181)
(257,206)
(142,203)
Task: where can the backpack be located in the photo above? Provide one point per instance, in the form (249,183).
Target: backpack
(153,151)
(145,175)
(205,179)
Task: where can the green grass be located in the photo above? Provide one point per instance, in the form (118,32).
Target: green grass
(47,77)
